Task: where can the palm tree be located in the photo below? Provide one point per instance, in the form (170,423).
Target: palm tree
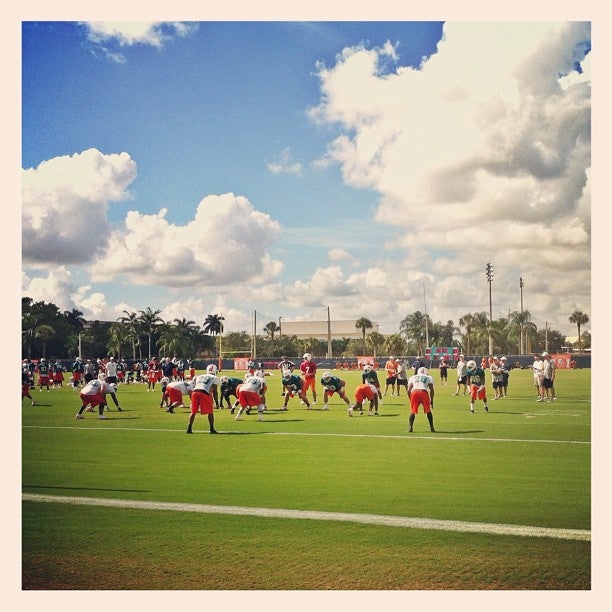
(75,319)
(44,333)
(467,321)
(213,326)
(376,342)
(413,328)
(118,336)
(149,319)
(579,319)
(271,328)
(519,320)
(363,324)
(130,320)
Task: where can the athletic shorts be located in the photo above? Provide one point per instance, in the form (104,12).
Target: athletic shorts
(477,393)
(174,395)
(547,383)
(419,397)
(248,398)
(309,383)
(93,400)
(201,402)
(391,380)
(402,381)
(462,380)
(364,392)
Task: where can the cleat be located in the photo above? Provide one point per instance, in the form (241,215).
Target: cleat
(486,409)
(79,416)
(102,417)
(260,417)
(325,407)
(350,412)
(189,431)
(432,430)
(213,431)
(472,410)
(238,417)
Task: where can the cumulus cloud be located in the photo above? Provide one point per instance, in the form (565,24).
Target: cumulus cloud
(65,202)
(483,151)
(225,243)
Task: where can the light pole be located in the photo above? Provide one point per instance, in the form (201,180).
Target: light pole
(521,283)
(489,273)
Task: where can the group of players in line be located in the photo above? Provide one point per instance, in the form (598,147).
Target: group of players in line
(208,391)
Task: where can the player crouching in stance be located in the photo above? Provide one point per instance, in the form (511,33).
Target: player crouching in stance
(229,387)
(365,391)
(332,384)
(294,385)
(94,394)
(175,391)
(476,382)
(251,393)
(204,389)
(421,393)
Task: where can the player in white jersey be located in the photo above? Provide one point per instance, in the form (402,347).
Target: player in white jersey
(205,388)
(251,393)
(94,394)
(175,391)
(421,392)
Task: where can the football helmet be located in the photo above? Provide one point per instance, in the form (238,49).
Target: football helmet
(211,369)
(471,364)
(307,356)
(367,368)
(422,371)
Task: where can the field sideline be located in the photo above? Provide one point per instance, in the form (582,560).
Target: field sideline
(311,487)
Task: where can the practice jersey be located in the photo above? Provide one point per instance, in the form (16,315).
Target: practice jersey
(295,383)
(477,376)
(95,387)
(308,368)
(254,384)
(181,385)
(205,382)
(370,378)
(333,383)
(420,381)
(230,386)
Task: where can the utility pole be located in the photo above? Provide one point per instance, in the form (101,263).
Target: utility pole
(522,348)
(489,273)
(329,341)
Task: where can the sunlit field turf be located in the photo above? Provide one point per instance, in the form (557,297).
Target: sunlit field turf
(310,499)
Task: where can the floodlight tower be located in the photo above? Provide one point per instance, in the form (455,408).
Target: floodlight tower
(489,273)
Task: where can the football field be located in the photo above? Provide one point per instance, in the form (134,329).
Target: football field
(310,499)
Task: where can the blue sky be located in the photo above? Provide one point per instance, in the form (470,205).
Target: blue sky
(283,167)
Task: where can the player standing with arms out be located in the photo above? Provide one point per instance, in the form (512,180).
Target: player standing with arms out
(421,393)
(476,378)
(204,389)
(309,371)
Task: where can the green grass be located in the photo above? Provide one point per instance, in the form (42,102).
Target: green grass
(523,463)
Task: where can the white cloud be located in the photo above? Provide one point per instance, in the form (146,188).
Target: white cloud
(483,153)
(285,165)
(65,202)
(225,243)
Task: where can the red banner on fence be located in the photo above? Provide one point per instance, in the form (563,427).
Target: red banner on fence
(241,363)
(562,361)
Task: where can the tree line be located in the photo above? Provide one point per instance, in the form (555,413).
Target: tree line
(49,332)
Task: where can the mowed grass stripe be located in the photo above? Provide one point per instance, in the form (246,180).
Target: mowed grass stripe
(436,436)
(370,519)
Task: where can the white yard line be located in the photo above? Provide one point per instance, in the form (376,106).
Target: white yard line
(370,519)
(433,437)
